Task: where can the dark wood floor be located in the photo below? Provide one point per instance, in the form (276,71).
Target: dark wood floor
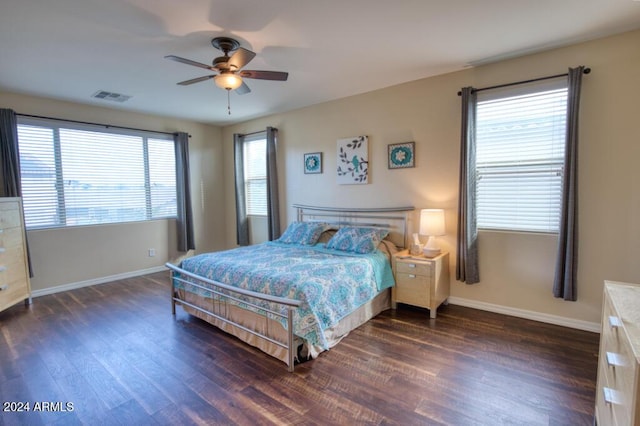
(115,352)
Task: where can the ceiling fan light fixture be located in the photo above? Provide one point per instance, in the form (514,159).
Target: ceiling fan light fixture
(228,81)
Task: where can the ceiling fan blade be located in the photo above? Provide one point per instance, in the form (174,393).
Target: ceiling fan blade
(264,75)
(240,58)
(190,62)
(196,80)
(243,89)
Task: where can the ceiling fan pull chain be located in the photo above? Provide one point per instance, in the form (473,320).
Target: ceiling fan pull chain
(229,101)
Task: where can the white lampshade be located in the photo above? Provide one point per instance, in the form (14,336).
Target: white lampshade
(432,225)
(432,222)
(228,81)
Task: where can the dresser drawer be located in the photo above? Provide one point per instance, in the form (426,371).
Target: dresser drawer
(604,411)
(12,257)
(618,370)
(13,293)
(11,238)
(10,216)
(12,271)
(412,289)
(611,340)
(13,278)
(416,268)
(617,400)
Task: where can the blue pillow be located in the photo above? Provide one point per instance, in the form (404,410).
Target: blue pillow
(305,233)
(357,239)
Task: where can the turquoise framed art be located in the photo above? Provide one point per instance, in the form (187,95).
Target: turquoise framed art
(401,155)
(313,163)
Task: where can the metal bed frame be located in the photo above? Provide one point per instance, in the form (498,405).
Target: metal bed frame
(224,295)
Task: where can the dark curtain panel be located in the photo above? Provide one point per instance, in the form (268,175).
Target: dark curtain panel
(10,163)
(186,240)
(273,206)
(10,157)
(564,283)
(242,223)
(467,242)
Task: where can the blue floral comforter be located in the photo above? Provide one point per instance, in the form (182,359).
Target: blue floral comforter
(329,283)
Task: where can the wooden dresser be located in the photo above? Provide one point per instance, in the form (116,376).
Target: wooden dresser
(617,398)
(14,270)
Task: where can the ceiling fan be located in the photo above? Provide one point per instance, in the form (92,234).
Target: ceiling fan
(230,75)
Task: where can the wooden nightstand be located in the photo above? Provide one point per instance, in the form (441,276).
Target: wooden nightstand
(420,281)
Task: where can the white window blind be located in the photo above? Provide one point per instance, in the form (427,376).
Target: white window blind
(86,175)
(255,176)
(520,142)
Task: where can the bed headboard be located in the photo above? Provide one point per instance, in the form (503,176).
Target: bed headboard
(394,219)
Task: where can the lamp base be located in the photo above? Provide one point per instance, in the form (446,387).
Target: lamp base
(431,252)
(431,249)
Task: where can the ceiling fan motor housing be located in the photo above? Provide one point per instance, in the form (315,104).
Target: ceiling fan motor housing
(221,63)
(225,44)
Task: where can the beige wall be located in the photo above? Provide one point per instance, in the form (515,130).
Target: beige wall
(84,254)
(516,269)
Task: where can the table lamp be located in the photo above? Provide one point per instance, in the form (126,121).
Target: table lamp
(431,225)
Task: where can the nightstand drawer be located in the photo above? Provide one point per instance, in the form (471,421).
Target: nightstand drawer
(416,268)
(412,289)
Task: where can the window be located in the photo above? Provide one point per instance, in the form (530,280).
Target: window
(520,140)
(255,175)
(76,174)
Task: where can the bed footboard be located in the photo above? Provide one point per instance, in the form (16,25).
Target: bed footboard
(224,296)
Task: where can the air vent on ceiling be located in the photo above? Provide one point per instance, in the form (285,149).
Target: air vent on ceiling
(110,96)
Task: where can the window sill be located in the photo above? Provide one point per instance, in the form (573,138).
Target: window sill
(513,231)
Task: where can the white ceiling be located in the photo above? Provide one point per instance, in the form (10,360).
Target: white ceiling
(70,49)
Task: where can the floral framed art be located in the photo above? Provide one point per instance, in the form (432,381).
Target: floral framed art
(313,163)
(401,155)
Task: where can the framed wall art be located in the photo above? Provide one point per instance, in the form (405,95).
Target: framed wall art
(401,155)
(353,160)
(313,163)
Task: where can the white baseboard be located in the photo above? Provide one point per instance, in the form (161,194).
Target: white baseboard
(532,315)
(101,280)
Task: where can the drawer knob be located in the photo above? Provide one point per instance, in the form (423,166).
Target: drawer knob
(611,396)
(412,265)
(4,287)
(614,322)
(615,360)
(411,276)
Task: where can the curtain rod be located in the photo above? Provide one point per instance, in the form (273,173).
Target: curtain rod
(95,124)
(255,133)
(251,133)
(533,80)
